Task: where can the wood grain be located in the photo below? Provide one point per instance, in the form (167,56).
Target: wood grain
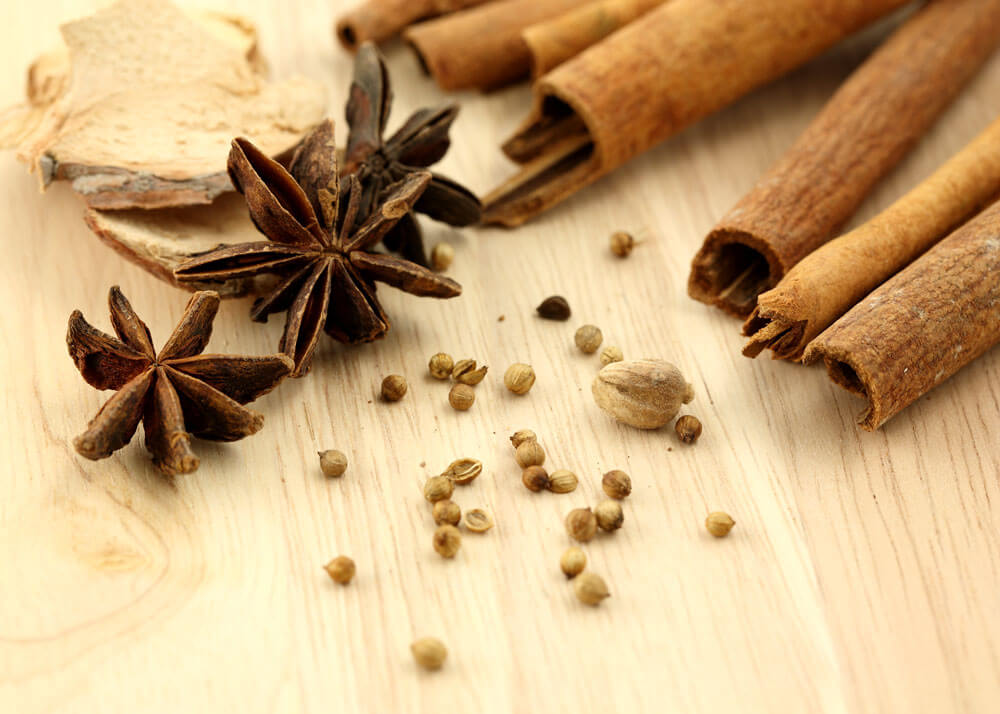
(862,576)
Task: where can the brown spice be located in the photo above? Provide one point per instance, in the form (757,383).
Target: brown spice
(478,521)
(644,393)
(554,308)
(463,471)
(617,484)
(581,524)
(522,435)
(429,652)
(519,378)
(438,488)
(447,541)
(473,377)
(394,387)
(529,453)
(461,397)
(609,515)
(441,365)
(332,463)
(573,562)
(611,354)
(622,244)
(446,512)
(341,569)
(688,429)
(590,588)
(719,524)
(562,481)
(588,338)
(442,255)
(535,478)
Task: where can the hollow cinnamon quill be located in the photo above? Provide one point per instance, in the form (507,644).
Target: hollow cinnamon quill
(379,20)
(922,325)
(554,41)
(834,277)
(664,71)
(865,129)
(482,48)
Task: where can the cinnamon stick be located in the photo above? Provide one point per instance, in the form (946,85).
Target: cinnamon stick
(554,41)
(833,278)
(922,325)
(865,129)
(379,20)
(482,48)
(666,70)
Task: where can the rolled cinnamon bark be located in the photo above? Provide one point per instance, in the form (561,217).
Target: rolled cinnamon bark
(833,278)
(379,20)
(671,67)
(554,41)
(865,129)
(482,48)
(922,325)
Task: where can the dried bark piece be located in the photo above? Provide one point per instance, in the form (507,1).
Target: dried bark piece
(378,20)
(152,102)
(177,391)
(554,41)
(833,278)
(666,70)
(922,325)
(482,48)
(866,128)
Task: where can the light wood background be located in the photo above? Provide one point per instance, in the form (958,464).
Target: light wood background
(863,574)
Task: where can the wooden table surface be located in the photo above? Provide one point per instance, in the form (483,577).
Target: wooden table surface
(863,574)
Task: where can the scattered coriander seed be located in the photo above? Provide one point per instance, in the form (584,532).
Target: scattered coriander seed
(616,484)
(341,569)
(441,256)
(332,463)
(688,428)
(609,515)
(446,512)
(478,521)
(438,488)
(472,377)
(461,367)
(581,524)
(622,243)
(519,378)
(447,541)
(429,652)
(572,562)
(461,397)
(554,308)
(588,338)
(611,354)
(463,471)
(393,387)
(535,478)
(590,588)
(522,435)
(530,453)
(562,481)
(441,365)
(719,524)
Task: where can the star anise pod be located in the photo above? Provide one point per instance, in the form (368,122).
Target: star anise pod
(419,143)
(171,392)
(327,267)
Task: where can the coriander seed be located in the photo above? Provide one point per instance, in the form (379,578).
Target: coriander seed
(332,463)
(472,377)
(609,515)
(535,478)
(554,308)
(393,388)
(461,397)
(341,569)
(461,367)
(522,435)
(588,338)
(611,354)
(616,484)
(519,378)
(562,481)
(441,256)
(438,488)
(719,523)
(572,562)
(478,521)
(688,428)
(429,652)
(441,365)
(622,243)
(581,524)
(447,541)
(530,453)
(463,471)
(446,512)
(590,588)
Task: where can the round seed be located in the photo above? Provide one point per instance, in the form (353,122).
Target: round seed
(719,523)
(562,481)
(573,561)
(478,521)
(332,463)
(429,652)
(446,512)
(341,569)
(461,397)
(447,541)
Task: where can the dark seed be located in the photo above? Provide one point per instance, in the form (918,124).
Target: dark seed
(554,308)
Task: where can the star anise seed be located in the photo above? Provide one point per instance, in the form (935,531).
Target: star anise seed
(419,143)
(173,392)
(328,270)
